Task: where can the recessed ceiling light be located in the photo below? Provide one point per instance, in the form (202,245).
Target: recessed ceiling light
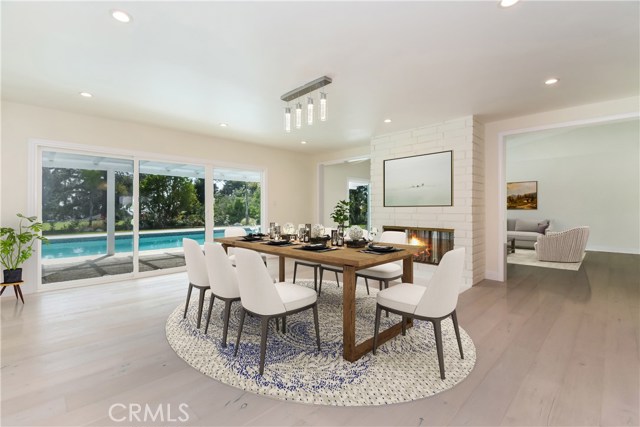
(551,81)
(86,94)
(508,3)
(303,142)
(387,120)
(223,125)
(121,16)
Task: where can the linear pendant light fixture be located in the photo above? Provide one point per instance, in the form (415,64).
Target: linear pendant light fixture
(298,93)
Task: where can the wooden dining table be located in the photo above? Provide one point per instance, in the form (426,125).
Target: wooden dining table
(351,260)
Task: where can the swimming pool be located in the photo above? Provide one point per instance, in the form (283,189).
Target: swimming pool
(97,245)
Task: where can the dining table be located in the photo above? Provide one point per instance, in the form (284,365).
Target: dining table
(350,260)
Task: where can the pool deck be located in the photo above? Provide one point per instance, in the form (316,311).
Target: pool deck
(66,269)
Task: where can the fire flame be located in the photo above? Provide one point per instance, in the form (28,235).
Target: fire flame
(414,241)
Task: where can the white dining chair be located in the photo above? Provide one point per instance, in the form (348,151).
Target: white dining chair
(197,273)
(336,270)
(390,271)
(223,282)
(315,265)
(238,232)
(434,302)
(262,298)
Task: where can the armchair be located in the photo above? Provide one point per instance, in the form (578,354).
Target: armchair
(563,246)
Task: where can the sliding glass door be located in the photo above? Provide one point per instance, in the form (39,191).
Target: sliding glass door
(87,214)
(108,216)
(172,207)
(238,200)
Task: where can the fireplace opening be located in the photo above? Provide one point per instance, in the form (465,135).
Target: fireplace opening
(438,241)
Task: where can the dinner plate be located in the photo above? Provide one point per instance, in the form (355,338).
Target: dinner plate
(277,242)
(380,248)
(314,247)
(251,238)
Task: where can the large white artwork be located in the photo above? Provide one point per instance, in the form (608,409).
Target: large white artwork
(424,180)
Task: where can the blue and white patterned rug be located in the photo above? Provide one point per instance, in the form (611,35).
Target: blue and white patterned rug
(404,368)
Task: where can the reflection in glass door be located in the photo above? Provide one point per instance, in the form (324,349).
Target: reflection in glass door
(87,215)
(172,207)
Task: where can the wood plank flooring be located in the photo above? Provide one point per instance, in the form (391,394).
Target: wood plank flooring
(554,347)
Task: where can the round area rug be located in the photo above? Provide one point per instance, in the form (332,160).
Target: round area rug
(405,368)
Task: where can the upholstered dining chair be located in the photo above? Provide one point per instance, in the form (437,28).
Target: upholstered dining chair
(197,273)
(434,302)
(316,266)
(262,298)
(336,270)
(238,232)
(390,271)
(223,282)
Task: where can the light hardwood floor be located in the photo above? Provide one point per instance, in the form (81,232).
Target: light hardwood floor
(554,347)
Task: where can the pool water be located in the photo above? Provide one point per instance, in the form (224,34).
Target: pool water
(84,246)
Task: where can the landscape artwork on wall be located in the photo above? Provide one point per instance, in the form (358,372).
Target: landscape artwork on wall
(522,195)
(424,180)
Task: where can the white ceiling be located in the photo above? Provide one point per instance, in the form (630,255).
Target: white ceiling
(192,65)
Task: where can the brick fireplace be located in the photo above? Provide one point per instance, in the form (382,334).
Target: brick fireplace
(463,136)
(438,241)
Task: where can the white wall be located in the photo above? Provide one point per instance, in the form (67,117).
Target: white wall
(586,176)
(335,185)
(494,205)
(289,185)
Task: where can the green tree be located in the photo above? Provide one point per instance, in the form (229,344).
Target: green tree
(168,201)
(358,205)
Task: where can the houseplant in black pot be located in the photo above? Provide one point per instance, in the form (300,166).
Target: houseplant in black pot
(16,246)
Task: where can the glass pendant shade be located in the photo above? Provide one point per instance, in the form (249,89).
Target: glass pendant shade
(287,119)
(298,115)
(323,107)
(309,111)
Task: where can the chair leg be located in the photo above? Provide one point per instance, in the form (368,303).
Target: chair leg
(200,305)
(404,325)
(386,286)
(317,324)
(376,328)
(320,286)
(437,330)
(277,323)
(242,314)
(206,328)
(295,270)
(315,278)
(284,324)
(227,313)
(337,280)
(454,317)
(366,282)
(263,342)
(188,298)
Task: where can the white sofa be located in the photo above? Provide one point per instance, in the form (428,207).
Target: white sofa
(526,232)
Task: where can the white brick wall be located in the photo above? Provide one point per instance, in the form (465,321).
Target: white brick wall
(466,216)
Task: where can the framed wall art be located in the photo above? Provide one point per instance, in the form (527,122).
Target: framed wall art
(423,180)
(522,195)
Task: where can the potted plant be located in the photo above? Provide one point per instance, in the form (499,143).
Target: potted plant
(340,213)
(16,246)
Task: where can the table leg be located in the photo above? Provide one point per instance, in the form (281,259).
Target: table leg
(281,268)
(349,313)
(407,269)
(15,291)
(2,291)
(513,246)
